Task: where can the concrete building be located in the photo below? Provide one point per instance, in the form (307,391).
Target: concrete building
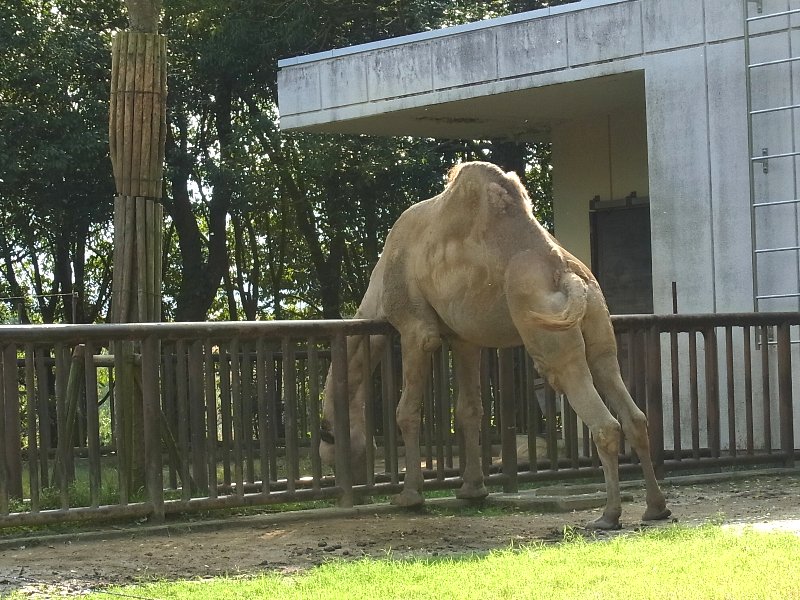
(637,96)
(652,108)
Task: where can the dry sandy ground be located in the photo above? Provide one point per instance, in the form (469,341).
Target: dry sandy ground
(67,565)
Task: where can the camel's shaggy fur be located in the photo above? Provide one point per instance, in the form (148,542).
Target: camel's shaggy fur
(473,265)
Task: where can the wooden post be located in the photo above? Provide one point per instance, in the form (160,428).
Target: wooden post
(66,438)
(508,420)
(655,400)
(785,404)
(341,425)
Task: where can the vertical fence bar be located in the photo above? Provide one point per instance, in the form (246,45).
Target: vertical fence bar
(447,405)
(566,427)
(238,428)
(182,401)
(314,420)
(429,421)
(290,412)
(211,418)
(264,434)
(440,404)
(92,425)
(694,396)
(748,390)
(712,390)
(4,500)
(60,466)
(785,408)
(341,425)
(486,399)
(765,389)
(677,444)
(197,416)
(369,409)
(168,383)
(273,419)
(13,441)
(460,439)
(533,415)
(152,427)
(731,390)
(43,373)
(639,375)
(225,412)
(552,431)
(33,446)
(655,407)
(247,410)
(508,420)
(571,441)
(301,376)
(388,376)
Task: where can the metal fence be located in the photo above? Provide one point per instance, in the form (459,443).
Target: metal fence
(230,412)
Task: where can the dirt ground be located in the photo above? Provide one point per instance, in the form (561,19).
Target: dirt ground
(71,565)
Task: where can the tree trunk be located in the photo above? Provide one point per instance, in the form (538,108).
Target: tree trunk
(510,156)
(201,279)
(143,15)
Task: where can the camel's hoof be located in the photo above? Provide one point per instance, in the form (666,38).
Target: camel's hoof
(408,499)
(472,492)
(656,514)
(605,523)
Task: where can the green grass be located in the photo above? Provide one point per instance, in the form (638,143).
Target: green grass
(676,562)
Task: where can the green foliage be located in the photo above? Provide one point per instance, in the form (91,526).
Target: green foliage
(260,224)
(55,179)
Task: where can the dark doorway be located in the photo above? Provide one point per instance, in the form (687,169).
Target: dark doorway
(621,256)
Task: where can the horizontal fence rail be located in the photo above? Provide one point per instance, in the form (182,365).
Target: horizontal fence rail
(144,420)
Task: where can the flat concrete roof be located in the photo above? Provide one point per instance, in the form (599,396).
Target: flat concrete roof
(511,78)
(445,31)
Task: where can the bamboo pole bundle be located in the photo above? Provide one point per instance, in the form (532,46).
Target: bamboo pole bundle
(137,133)
(137,116)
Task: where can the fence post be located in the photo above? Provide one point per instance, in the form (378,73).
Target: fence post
(4,504)
(785,408)
(12,428)
(508,434)
(151,412)
(341,424)
(655,400)
(712,390)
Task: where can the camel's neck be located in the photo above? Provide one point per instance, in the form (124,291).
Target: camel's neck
(371,307)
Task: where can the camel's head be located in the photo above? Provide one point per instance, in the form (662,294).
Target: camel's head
(357,453)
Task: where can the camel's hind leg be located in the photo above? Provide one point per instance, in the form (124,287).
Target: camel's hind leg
(601,353)
(469,412)
(562,357)
(416,349)
(575,380)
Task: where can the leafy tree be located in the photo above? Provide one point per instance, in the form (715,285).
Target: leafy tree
(262,224)
(53,113)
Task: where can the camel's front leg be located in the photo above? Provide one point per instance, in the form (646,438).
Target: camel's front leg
(469,412)
(576,382)
(416,370)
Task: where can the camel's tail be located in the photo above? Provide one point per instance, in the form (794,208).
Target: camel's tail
(575,289)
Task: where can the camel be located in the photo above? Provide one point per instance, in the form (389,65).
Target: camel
(474,266)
